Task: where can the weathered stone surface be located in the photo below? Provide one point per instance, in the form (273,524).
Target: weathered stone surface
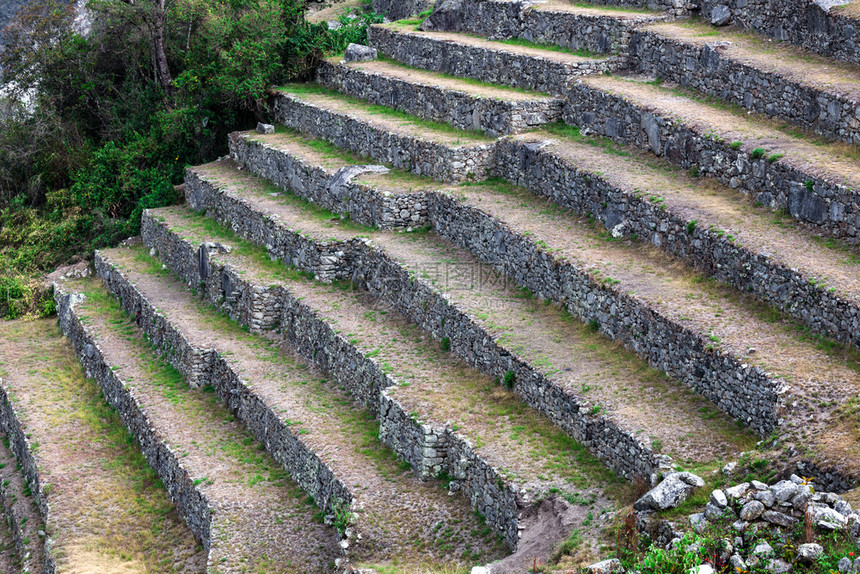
(405,151)
(400,9)
(721,15)
(359,53)
(826,518)
(718,499)
(809,553)
(265,128)
(813,25)
(518,19)
(674,489)
(751,510)
(778,518)
(611,566)
(493,116)
(527,164)
(494,65)
(832,206)
(708,70)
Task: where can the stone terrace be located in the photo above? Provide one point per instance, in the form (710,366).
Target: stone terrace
(458,299)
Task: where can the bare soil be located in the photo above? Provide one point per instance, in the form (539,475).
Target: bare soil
(106,507)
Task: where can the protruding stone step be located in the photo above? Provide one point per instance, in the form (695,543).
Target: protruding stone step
(386,135)
(232,495)
(572,25)
(96,497)
(464,104)
(468,56)
(704,223)
(310,426)
(815,181)
(776,79)
(830,27)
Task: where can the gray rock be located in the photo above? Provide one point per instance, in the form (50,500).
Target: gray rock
(762,549)
(265,128)
(843,507)
(737,492)
(737,562)
(758,485)
(611,566)
(796,479)
(809,553)
(720,15)
(729,469)
(359,53)
(702,569)
(698,522)
(784,490)
(766,497)
(713,512)
(674,489)
(827,5)
(779,518)
(778,566)
(844,565)
(447,16)
(828,519)
(751,510)
(804,493)
(718,499)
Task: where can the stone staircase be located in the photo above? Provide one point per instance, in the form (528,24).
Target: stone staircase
(465,294)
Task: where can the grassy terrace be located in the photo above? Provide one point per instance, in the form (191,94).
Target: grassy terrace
(226,464)
(107,506)
(329,423)
(422,367)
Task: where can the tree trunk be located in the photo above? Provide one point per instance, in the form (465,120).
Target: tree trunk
(162,70)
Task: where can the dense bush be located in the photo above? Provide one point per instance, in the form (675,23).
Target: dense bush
(117,113)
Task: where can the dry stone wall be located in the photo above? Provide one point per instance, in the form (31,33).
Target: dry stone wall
(587,192)
(800,22)
(707,70)
(336,192)
(400,9)
(524,19)
(493,116)
(374,271)
(744,392)
(190,502)
(286,447)
(412,153)
(833,207)
(425,447)
(490,65)
(19,444)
